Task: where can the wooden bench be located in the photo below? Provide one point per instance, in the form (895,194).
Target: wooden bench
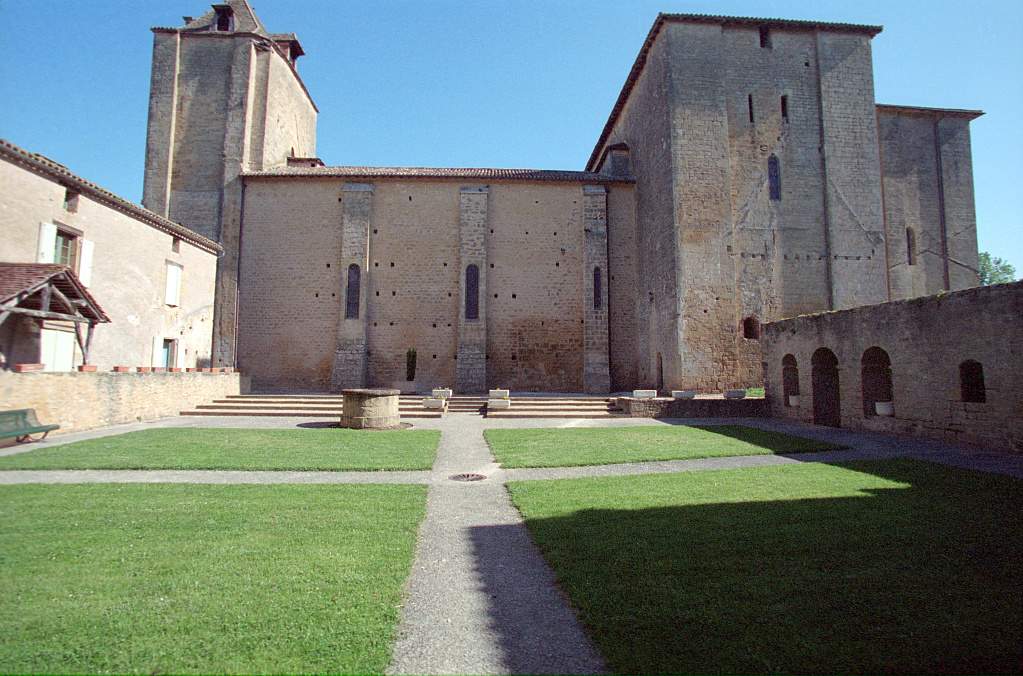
(22,424)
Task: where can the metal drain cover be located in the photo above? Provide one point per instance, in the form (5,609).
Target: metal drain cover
(468,476)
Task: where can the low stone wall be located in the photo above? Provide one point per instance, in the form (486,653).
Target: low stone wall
(927,341)
(692,408)
(81,401)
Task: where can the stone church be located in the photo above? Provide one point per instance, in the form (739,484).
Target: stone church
(745,174)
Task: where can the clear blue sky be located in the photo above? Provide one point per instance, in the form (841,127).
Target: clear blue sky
(515,83)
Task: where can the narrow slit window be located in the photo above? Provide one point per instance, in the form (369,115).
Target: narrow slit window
(774,177)
(765,37)
(597,288)
(749,104)
(472,292)
(910,246)
(352,292)
(785,109)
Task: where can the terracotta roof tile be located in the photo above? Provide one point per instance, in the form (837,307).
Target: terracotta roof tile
(16,278)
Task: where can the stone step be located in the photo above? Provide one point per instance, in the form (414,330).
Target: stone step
(292,407)
(423,413)
(512,413)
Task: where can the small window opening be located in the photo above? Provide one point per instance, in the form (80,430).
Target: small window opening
(749,104)
(410,364)
(472,292)
(876,377)
(774,177)
(785,109)
(910,246)
(66,249)
(751,328)
(765,37)
(70,201)
(176,246)
(971,382)
(789,378)
(225,18)
(352,292)
(597,289)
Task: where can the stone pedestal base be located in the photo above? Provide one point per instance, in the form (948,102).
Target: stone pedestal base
(370,409)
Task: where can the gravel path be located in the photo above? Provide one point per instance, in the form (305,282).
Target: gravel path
(481,599)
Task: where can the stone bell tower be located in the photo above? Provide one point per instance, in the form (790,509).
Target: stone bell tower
(225,99)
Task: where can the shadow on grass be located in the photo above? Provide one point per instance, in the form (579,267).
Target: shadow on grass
(923,578)
(777,442)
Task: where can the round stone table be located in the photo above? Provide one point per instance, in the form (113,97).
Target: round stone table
(370,409)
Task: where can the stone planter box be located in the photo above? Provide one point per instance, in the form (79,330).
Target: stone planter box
(885,409)
(683,394)
(644,394)
(435,403)
(735,394)
(499,394)
(442,393)
(370,409)
(494,404)
(794,400)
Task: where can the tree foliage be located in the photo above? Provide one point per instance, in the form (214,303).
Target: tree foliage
(994,270)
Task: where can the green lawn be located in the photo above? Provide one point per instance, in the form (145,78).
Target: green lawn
(244,449)
(219,579)
(754,391)
(564,447)
(871,567)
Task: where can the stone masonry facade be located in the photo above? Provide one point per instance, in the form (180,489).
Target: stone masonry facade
(949,364)
(745,174)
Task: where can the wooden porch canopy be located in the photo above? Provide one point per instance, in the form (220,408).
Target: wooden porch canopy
(47,291)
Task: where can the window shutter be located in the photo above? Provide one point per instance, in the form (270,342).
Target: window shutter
(179,354)
(85,261)
(47,242)
(173,292)
(158,352)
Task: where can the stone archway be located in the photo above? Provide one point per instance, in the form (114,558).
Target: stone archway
(826,398)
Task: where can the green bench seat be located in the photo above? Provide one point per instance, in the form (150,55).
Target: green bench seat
(21,424)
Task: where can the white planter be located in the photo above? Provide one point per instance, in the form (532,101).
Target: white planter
(644,394)
(683,394)
(794,400)
(735,394)
(885,409)
(442,393)
(499,394)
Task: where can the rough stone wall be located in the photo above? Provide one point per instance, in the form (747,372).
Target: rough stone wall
(852,170)
(129,270)
(234,104)
(928,187)
(529,240)
(644,292)
(82,401)
(623,288)
(926,340)
(350,357)
(596,373)
(471,357)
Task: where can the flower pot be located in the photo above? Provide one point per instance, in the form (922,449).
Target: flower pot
(683,394)
(885,409)
(794,400)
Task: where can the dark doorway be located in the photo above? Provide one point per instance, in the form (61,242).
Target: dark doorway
(660,373)
(826,400)
(876,376)
(789,378)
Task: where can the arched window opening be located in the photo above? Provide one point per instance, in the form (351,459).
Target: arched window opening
(774,177)
(472,292)
(597,289)
(971,382)
(910,246)
(827,405)
(352,293)
(225,18)
(751,328)
(876,373)
(410,364)
(789,379)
